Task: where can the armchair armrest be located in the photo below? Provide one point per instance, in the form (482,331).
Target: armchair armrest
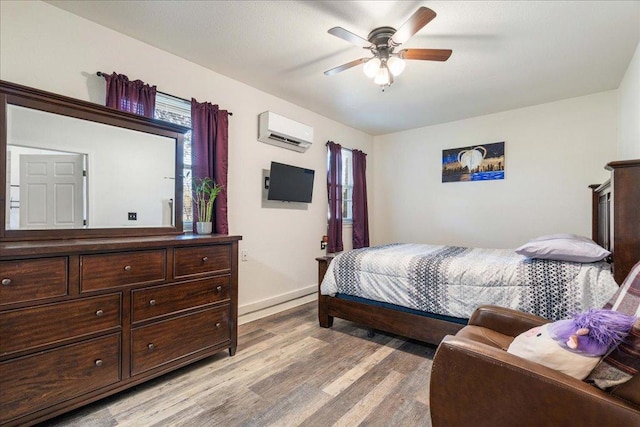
(505,320)
(476,384)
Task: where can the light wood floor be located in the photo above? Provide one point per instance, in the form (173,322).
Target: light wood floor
(287,372)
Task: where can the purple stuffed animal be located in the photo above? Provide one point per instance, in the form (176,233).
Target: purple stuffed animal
(593,333)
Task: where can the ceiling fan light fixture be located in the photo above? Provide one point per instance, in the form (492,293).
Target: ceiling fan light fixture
(382,77)
(396,65)
(371,67)
(388,62)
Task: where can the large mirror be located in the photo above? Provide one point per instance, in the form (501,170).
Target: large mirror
(74,172)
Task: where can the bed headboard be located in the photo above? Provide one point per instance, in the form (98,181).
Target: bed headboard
(616,215)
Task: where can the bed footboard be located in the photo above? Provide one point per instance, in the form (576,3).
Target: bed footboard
(409,325)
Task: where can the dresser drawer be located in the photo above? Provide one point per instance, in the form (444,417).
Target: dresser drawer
(160,300)
(33,279)
(121,269)
(201,260)
(48,324)
(44,379)
(169,340)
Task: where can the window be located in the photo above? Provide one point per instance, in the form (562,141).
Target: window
(347,185)
(177,110)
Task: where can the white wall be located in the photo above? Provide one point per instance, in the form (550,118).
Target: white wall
(629,111)
(46,48)
(553,152)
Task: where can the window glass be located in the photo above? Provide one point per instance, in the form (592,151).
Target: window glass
(176,110)
(347,186)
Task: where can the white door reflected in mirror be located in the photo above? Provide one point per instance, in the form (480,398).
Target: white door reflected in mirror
(51,191)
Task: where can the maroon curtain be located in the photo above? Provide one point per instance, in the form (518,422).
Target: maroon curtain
(360,211)
(334,187)
(132,96)
(209,155)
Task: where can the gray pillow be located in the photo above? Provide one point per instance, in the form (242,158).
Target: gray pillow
(563,247)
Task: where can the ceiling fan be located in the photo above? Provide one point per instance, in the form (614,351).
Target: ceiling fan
(387,62)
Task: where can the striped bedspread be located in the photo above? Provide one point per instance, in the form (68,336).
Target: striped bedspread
(453,281)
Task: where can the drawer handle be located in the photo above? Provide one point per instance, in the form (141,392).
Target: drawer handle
(99,313)
(218,288)
(151,346)
(127,268)
(6,282)
(205,259)
(98,362)
(152,302)
(218,325)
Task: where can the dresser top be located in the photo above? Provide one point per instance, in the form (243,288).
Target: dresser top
(67,246)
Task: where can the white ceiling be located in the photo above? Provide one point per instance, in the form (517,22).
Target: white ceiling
(506,54)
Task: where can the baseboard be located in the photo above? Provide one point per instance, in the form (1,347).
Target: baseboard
(267,307)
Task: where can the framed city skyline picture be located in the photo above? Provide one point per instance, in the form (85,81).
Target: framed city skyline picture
(473,163)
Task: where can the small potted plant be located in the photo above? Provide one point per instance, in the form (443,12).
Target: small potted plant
(205,193)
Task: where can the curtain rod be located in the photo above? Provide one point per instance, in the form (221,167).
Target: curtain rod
(341,147)
(100,74)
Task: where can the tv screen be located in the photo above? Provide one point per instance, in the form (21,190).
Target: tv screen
(290,183)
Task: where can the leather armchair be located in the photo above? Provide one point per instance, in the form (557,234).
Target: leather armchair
(475,382)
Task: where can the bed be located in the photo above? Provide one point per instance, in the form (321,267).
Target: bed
(459,279)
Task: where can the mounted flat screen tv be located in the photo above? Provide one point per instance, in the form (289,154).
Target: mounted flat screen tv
(290,183)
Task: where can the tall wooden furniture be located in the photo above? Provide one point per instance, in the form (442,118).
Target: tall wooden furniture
(616,215)
(86,312)
(84,319)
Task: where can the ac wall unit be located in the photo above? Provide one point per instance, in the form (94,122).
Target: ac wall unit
(283,132)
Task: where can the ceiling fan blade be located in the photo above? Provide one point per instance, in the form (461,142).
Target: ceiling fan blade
(350,37)
(419,19)
(346,66)
(425,54)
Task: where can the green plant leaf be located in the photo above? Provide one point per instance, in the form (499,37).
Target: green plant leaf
(205,191)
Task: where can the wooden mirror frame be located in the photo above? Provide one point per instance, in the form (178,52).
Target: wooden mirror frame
(14,94)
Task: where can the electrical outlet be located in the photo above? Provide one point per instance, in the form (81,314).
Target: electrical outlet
(244,255)
(133,216)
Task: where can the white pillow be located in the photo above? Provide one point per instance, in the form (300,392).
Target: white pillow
(563,247)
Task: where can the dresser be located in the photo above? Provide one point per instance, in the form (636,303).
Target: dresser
(82,319)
